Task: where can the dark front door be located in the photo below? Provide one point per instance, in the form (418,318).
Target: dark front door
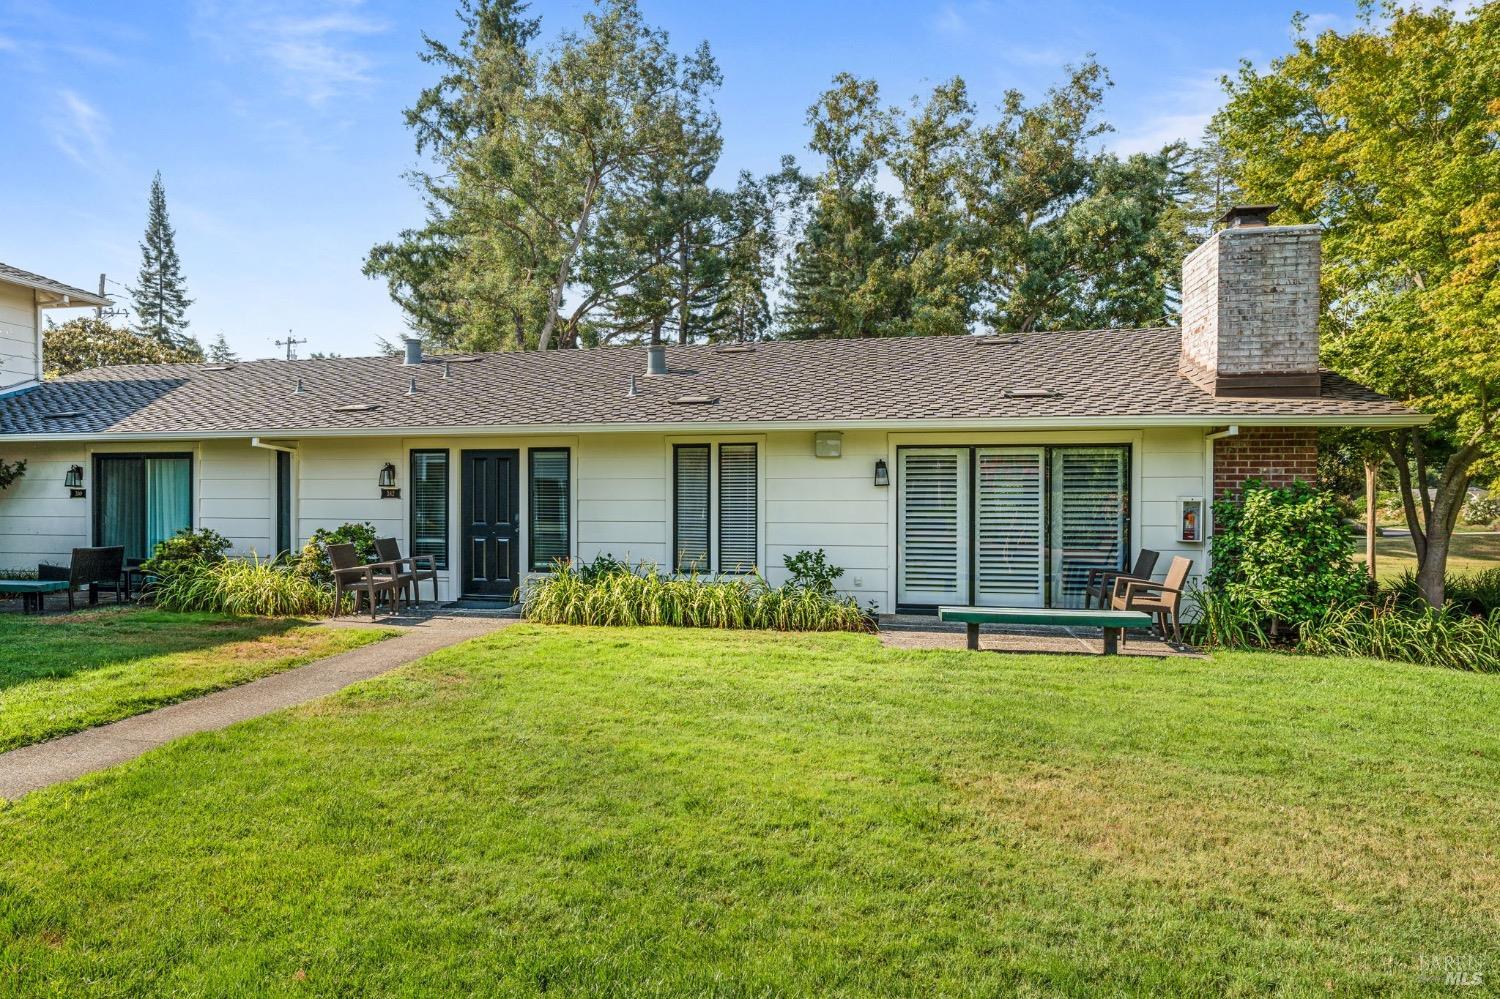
(491,519)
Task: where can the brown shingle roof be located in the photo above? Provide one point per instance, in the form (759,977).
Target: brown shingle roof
(26,279)
(1096,375)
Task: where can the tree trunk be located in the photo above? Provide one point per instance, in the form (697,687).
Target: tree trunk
(1452,489)
(565,267)
(1372,468)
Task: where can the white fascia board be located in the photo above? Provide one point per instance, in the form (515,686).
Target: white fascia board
(705,427)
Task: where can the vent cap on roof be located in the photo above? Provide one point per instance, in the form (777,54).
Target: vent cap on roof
(356,407)
(694,400)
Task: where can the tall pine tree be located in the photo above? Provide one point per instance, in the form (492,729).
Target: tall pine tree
(160,294)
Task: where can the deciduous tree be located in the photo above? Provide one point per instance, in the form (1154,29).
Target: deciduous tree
(87,342)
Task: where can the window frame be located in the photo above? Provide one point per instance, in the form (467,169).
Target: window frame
(284,503)
(708,514)
(713,442)
(440,562)
(531,505)
(98,501)
(718,501)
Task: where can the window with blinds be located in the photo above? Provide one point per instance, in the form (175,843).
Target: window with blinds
(1009,530)
(1088,517)
(738,550)
(691,469)
(934,515)
(429,505)
(550,538)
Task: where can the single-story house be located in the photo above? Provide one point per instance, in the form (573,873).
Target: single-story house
(990,469)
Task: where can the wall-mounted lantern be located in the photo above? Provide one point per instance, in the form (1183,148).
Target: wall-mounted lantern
(73,481)
(388,488)
(882,474)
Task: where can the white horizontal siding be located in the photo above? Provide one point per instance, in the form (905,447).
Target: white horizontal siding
(18,335)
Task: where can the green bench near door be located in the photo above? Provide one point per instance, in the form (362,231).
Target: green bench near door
(32,591)
(1112,621)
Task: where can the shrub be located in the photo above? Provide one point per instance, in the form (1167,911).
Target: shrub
(811,571)
(1481,511)
(313,562)
(601,565)
(1475,592)
(1407,632)
(185,550)
(650,598)
(1224,621)
(254,586)
(1284,551)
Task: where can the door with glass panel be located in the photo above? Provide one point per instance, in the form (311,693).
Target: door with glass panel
(141,500)
(1010,545)
(1090,510)
(933,511)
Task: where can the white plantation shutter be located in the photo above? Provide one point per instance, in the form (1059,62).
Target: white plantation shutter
(934,526)
(1088,518)
(429,505)
(690,485)
(1009,542)
(738,550)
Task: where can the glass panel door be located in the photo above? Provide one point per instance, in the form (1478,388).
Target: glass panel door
(934,515)
(1089,513)
(1009,528)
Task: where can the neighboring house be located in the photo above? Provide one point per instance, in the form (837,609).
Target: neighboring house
(23,298)
(983,469)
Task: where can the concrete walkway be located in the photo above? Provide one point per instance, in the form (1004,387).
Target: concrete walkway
(46,763)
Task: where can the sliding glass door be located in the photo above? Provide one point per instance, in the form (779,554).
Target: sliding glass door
(141,500)
(1008,526)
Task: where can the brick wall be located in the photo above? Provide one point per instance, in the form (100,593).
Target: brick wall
(1250,304)
(1275,455)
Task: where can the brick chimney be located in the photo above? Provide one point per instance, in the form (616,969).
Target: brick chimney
(1250,307)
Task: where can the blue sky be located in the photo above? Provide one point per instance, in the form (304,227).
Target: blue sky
(277,124)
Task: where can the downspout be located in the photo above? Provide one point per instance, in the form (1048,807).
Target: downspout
(1233,430)
(257,442)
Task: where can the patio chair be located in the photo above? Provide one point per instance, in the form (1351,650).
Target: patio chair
(1161,600)
(1101,582)
(411,570)
(91,567)
(366,582)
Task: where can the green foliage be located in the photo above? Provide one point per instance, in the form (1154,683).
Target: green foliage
(1407,632)
(1475,593)
(625,598)
(1223,620)
(313,562)
(254,586)
(87,342)
(159,297)
(602,564)
(1385,135)
(220,352)
(1285,552)
(185,551)
(10,471)
(810,570)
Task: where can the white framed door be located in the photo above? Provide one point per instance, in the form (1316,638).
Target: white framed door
(933,512)
(1010,543)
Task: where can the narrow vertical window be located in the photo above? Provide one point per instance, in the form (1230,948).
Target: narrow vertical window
(550,507)
(429,505)
(738,548)
(691,464)
(283,502)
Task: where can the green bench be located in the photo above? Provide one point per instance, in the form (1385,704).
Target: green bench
(32,591)
(1112,621)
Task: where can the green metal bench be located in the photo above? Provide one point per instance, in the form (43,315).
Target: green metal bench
(1112,621)
(32,591)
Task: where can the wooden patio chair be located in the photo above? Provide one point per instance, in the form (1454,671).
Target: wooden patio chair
(366,582)
(411,570)
(91,567)
(1101,582)
(1161,600)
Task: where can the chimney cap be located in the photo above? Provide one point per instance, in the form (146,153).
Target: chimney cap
(1247,216)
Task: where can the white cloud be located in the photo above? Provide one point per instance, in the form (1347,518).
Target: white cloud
(311,47)
(80,130)
(1179,112)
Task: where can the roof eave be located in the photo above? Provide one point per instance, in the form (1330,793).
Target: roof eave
(1382,421)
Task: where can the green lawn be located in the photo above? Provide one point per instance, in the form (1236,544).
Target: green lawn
(1470,550)
(63,673)
(656,812)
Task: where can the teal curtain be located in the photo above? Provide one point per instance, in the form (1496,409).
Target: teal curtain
(122,505)
(168,499)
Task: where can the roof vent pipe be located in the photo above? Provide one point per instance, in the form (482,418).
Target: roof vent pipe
(656,359)
(413,350)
